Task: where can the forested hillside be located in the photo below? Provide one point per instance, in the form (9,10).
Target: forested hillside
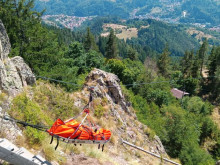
(152,36)
(149,36)
(64,57)
(199,11)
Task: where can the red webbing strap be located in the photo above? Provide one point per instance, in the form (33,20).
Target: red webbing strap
(87,111)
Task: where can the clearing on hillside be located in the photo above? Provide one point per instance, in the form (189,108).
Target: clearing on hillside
(199,35)
(122,32)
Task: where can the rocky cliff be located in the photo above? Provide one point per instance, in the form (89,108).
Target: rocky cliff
(14,75)
(118,115)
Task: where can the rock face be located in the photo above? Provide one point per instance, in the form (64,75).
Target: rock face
(24,71)
(14,73)
(4,42)
(108,94)
(108,85)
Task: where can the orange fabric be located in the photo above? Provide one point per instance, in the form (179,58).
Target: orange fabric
(68,130)
(72,123)
(65,130)
(102,134)
(86,134)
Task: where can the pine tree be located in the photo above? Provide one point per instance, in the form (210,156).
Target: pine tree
(102,44)
(195,66)
(214,72)
(187,63)
(111,50)
(202,54)
(212,63)
(164,62)
(217,85)
(132,53)
(20,23)
(89,43)
(28,38)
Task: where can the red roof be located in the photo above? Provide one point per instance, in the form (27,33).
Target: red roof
(178,93)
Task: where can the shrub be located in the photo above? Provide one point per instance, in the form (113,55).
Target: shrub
(192,154)
(151,133)
(50,153)
(55,101)
(3,98)
(29,111)
(34,136)
(197,105)
(99,111)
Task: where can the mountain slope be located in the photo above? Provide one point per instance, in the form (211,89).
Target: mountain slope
(44,103)
(199,11)
(111,111)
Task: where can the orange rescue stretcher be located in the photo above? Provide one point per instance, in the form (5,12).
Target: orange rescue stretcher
(72,131)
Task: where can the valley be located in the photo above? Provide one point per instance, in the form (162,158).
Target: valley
(200,13)
(153,82)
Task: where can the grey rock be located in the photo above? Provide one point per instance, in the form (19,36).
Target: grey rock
(5,45)
(218,162)
(14,73)
(159,145)
(10,81)
(108,82)
(24,71)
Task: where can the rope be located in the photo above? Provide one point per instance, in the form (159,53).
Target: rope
(127,85)
(148,152)
(44,128)
(38,127)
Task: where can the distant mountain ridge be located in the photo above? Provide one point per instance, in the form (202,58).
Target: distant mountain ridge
(186,11)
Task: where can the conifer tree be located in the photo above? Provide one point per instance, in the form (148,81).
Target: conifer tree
(202,54)
(111,50)
(195,66)
(28,38)
(21,23)
(187,63)
(212,63)
(89,43)
(102,44)
(217,85)
(164,62)
(214,72)
(132,54)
